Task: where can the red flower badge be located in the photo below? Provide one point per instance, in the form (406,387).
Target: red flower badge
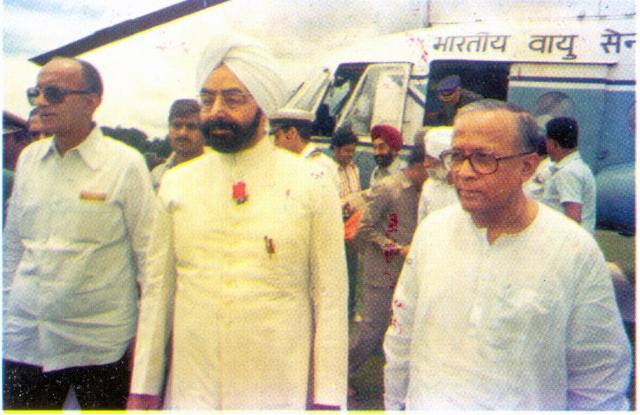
(240,193)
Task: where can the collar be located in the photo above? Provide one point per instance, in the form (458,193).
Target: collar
(262,151)
(308,150)
(171,160)
(87,149)
(351,166)
(568,159)
(404,181)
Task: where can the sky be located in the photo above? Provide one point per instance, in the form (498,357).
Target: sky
(144,73)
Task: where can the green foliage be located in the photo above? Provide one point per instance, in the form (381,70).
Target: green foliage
(138,140)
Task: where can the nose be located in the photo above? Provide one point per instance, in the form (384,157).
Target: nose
(214,109)
(40,100)
(465,170)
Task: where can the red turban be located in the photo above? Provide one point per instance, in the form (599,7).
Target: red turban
(389,134)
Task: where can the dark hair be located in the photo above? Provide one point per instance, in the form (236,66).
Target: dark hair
(305,128)
(417,154)
(564,131)
(342,137)
(34,111)
(183,108)
(525,123)
(91,77)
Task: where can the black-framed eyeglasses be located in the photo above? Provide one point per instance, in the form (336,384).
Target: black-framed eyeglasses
(481,163)
(53,94)
(231,98)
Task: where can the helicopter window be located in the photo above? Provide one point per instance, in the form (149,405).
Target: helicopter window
(378,98)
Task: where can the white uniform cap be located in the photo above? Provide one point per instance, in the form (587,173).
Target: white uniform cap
(292,114)
(437,140)
(254,66)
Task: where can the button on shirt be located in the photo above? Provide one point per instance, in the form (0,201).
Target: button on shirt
(572,181)
(528,322)
(75,239)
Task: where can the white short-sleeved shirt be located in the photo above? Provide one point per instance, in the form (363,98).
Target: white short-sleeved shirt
(572,181)
(74,243)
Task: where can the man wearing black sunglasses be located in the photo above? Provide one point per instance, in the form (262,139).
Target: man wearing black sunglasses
(503,303)
(74,243)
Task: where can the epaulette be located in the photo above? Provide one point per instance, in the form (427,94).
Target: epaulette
(315,153)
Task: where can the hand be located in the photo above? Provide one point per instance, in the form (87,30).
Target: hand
(144,402)
(347,210)
(404,251)
(132,350)
(389,251)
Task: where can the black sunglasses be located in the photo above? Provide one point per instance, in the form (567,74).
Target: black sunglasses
(53,94)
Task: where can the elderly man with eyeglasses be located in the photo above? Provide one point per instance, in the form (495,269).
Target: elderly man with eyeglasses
(247,268)
(74,248)
(503,302)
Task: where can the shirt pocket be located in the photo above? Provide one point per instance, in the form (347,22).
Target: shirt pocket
(91,222)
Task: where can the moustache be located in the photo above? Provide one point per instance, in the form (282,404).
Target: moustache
(383,160)
(208,126)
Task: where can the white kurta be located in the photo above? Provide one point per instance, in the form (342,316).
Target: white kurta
(251,282)
(528,322)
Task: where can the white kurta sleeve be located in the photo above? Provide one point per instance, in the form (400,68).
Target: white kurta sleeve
(138,209)
(328,276)
(598,351)
(397,341)
(422,204)
(156,307)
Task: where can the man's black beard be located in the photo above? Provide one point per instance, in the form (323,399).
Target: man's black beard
(384,160)
(238,137)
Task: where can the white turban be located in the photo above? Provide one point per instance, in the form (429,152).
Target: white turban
(251,63)
(438,140)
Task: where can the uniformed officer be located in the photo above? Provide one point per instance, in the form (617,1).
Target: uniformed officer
(292,129)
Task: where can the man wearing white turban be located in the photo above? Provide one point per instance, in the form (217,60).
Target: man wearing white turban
(438,191)
(246,262)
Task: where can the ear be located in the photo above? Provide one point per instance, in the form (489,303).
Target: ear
(291,133)
(93,102)
(529,165)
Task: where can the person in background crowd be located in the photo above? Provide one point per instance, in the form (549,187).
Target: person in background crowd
(503,303)
(534,187)
(74,244)
(185,137)
(452,97)
(386,142)
(385,233)
(571,189)
(292,129)
(343,145)
(14,140)
(248,270)
(438,191)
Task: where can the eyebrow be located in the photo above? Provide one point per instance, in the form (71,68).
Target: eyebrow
(475,149)
(213,91)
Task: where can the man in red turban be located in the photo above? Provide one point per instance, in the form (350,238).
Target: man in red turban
(386,141)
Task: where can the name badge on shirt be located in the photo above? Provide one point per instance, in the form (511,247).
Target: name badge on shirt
(93,196)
